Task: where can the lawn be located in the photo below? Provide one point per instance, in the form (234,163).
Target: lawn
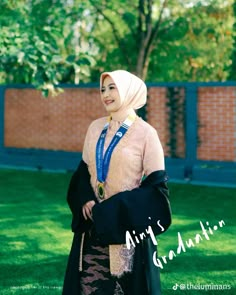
(36,238)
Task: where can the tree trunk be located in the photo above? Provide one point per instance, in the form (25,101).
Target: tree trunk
(148,37)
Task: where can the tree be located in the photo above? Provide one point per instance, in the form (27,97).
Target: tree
(143,28)
(203,54)
(50,42)
(164,40)
(232,71)
(41,43)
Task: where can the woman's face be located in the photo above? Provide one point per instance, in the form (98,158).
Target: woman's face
(110,95)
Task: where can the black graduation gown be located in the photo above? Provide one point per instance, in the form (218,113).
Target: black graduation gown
(126,211)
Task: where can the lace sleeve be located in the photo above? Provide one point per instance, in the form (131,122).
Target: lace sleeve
(153,155)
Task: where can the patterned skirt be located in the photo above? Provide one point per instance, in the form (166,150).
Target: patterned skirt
(96,278)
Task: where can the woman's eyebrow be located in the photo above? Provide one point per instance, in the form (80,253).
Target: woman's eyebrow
(111,84)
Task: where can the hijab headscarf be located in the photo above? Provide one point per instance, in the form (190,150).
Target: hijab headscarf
(132,90)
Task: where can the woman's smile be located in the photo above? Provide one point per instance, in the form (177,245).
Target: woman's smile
(108,101)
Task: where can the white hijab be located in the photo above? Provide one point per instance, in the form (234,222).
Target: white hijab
(132,91)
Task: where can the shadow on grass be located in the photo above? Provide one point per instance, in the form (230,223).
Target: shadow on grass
(45,272)
(202,202)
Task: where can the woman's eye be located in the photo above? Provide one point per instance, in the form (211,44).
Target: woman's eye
(109,87)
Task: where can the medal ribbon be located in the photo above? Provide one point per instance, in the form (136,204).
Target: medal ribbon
(102,163)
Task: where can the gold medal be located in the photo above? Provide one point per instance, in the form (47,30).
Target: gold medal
(101,190)
(103,160)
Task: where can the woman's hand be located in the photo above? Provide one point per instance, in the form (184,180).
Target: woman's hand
(87,210)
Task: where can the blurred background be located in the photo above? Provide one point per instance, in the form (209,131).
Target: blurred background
(69,41)
(51,56)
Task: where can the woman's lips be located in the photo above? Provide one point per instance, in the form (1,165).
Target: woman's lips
(107,102)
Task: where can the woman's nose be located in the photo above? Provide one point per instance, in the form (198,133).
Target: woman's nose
(106,93)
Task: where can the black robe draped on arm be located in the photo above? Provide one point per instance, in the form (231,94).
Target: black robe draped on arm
(126,211)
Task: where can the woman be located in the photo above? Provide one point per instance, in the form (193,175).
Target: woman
(111,205)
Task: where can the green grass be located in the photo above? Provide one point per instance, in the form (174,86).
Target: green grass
(35,235)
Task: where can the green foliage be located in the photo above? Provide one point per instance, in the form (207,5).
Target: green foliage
(202,54)
(194,41)
(232,68)
(176,120)
(47,43)
(41,43)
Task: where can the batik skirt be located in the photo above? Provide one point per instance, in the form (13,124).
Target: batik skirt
(96,278)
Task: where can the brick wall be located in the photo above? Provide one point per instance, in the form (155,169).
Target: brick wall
(55,123)
(157,114)
(217,130)
(60,123)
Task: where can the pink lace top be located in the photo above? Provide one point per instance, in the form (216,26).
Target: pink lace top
(139,152)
